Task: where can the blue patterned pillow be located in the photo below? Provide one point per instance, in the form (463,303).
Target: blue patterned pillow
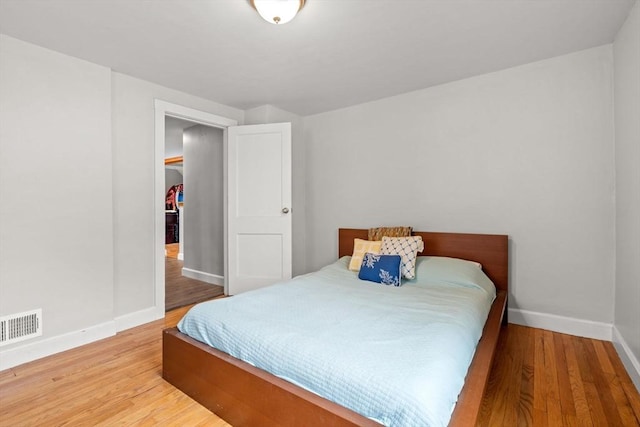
(385,269)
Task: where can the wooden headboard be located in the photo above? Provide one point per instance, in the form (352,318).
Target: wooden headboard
(490,250)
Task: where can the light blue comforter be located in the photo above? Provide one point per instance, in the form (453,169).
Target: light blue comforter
(398,355)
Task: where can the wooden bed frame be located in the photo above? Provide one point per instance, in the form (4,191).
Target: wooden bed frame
(244,395)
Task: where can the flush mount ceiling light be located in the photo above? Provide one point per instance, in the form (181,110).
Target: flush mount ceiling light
(277,11)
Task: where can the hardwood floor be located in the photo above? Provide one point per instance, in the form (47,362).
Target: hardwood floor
(171,250)
(181,290)
(539,378)
(542,378)
(115,381)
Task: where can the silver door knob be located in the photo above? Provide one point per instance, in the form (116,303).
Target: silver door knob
(285,210)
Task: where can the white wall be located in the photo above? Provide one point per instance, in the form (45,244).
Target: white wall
(56,222)
(526,152)
(270,114)
(204,202)
(173,136)
(77,184)
(172,177)
(173,148)
(133,158)
(626,51)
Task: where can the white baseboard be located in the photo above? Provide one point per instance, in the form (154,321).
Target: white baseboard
(562,324)
(31,351)
(213,279)
(138,318)
(629,360)
(36,350)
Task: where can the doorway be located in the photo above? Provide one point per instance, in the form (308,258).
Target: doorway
(164,269)
(194,270)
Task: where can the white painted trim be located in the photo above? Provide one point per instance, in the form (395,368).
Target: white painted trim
(213,279)
(138,318)
(225,201)
(162,109)
(629,360)
(180,256)
(32,351)
(193,115)
(562,324)
(159,215)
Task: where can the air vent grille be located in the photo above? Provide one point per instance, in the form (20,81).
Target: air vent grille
(20,326)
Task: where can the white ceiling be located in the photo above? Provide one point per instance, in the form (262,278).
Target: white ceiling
(336,53)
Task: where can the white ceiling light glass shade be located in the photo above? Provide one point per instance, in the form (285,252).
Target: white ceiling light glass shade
(278,11)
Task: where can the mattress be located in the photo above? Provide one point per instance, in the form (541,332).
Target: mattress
(398,355)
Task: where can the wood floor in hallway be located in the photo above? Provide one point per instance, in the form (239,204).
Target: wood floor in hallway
(181,290)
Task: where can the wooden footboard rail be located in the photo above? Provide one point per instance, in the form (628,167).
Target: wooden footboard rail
(244,395)
(467,409)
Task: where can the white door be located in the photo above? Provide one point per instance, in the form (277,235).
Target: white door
(258,206)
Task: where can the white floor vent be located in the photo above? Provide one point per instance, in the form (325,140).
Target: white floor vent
(20,326)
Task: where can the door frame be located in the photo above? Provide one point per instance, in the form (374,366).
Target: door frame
(162,109)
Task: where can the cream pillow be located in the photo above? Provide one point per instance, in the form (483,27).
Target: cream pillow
(361,247)
(407,248)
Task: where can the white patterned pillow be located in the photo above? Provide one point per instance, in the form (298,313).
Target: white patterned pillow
(407,248)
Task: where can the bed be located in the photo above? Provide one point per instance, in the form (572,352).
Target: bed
(245,395)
